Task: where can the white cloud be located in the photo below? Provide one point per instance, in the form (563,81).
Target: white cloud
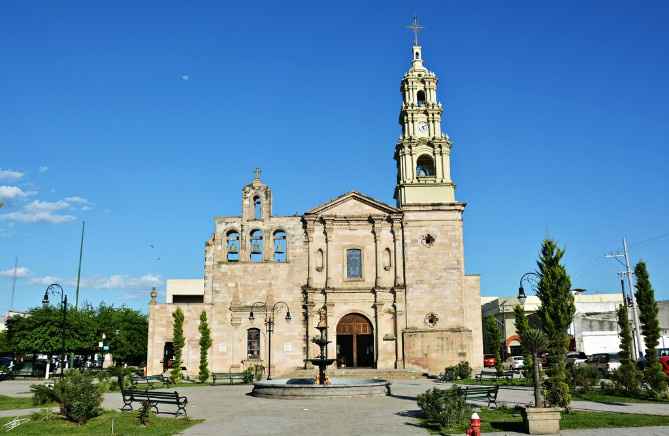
(10,175)
(21,272)
(46,206)
(37,217)
(12,192)
(43,169)
(45,280)
(47,211)
(112,282)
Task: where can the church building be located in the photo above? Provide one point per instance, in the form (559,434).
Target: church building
(390,279)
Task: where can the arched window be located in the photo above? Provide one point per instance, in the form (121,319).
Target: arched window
(257,246)
(354,263)
(387,259)
(280,246)
(420,97)
(232,244)
(253,343)
(425,166)
(257,208)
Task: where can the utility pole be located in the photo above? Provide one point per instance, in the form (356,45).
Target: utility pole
(628,273)
(81,253)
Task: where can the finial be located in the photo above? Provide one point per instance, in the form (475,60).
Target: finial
(415,28)
(258,171)
(154,296)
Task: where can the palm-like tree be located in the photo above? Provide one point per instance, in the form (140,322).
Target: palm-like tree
(536,341)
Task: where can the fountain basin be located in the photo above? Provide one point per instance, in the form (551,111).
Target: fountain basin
(304,388)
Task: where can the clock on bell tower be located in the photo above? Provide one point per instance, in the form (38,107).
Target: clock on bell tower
(423,150)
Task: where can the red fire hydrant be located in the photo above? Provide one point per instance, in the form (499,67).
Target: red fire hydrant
(474,425)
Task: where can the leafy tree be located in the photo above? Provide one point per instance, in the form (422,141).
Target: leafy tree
(627,376)
(556,314)
(522,326)
(494,340)
(650,328)
(178,342)
(205,343)
(536,342)
(126,331)
(41,332)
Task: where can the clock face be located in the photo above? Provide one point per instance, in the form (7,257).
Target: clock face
(422,128)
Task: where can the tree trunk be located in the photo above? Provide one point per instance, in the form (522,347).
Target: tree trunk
(538,395)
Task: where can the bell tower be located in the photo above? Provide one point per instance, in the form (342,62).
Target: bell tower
(423,150)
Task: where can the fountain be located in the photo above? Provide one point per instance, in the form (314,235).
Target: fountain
(321,386)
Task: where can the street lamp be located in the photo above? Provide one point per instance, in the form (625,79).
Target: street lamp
(269,323)
(522,296)
(52,288)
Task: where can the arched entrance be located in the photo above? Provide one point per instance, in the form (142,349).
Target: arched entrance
(355,342)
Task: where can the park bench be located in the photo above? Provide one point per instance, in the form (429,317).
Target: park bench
(231,377)
(481,393)
(506,375)
(150,380)
(154,398)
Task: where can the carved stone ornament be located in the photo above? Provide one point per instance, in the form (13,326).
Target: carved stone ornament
(431,319)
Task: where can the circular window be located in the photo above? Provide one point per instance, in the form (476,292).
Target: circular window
(427,240)
(431,319)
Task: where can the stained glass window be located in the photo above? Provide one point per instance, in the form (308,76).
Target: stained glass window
(353,263)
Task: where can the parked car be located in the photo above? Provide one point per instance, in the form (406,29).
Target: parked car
(605,363)
(489,361)
(664,361)
(516,363)
(576,358)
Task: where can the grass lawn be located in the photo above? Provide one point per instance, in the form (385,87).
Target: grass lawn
(510,420)
(125,424)
(606,398)
(9,403)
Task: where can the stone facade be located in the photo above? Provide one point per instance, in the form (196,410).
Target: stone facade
(399,269)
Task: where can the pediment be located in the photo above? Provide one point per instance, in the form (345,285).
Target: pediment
(353,204)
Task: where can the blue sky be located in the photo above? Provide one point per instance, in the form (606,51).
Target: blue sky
(146,121)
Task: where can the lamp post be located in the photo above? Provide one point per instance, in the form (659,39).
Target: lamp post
(269,324)
(52,288)
(503,305)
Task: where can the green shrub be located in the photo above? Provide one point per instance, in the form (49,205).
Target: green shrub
(444,407)
(144,413)
(461,371)
(42,394)
(79,397)
(464,370)
(583,377)
(249,375)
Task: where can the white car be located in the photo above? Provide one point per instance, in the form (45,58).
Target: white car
(576,358)
(516,362)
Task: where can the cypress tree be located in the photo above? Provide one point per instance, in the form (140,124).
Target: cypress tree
(205,343)
(556,314)
(494,341)
(650,328)
(178,342)
(627,376)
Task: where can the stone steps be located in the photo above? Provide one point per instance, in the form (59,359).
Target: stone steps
(387,374)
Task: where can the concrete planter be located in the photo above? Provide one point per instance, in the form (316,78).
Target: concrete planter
(542,420)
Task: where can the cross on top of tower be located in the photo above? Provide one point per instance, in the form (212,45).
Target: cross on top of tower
(257,172)
(415,27)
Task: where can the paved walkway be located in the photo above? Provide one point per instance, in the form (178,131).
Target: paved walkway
(229,410)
